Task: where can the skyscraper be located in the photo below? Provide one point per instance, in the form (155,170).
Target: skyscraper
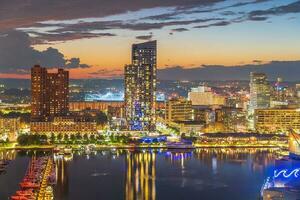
(259,91)
(49,93)
(140,87)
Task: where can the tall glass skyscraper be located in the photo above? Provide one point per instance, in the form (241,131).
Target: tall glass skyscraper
(259,95)
(140,87)
(259,91)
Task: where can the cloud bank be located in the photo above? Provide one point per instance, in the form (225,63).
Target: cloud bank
(17,55)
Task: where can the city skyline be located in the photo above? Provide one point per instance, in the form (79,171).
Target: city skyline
(87,39)
(149,99)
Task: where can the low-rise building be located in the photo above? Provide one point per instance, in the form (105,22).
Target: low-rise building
(9,127)
(178,110)
(63,125)
(279,120)
(205,96)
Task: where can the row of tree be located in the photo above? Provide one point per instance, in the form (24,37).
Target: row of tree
(40,139)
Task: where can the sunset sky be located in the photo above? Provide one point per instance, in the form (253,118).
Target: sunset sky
(98,34)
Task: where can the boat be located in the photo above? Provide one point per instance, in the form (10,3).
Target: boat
(180,145)
(25,193)
(38,180)
(26,185)
(68,150)
(56,149)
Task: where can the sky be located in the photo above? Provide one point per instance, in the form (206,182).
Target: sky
(207,39)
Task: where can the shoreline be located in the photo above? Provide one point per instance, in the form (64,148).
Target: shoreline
(98,147)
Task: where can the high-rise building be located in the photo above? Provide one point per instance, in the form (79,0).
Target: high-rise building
(140,87)
(279,94)
(259,91)
(49,93)
(298,90)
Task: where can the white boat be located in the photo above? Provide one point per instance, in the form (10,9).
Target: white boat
(67,150)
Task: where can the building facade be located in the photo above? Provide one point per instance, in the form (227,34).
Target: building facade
(9,127)
(140,87)
(63,125)
(277,120)
(178,110)
(259,91)
(49,93)
(204,96)
(94,105)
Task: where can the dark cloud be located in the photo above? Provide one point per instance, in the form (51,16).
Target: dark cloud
(162,17)
(17,55)
(144,37)
(222,23)
(247,3)
(81,30)
(107,73)
(136,25)
(16,13)
(288,70)
(257,61)
(257,18)
(180,29)
(280,10)
(228,13)
(44,38)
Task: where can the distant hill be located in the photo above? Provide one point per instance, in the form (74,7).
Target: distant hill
(288,70)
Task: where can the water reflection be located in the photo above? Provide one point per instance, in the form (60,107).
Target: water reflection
(140,176)
(8,155)
(62,185)
(151,174)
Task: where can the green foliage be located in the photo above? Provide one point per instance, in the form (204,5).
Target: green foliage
(59,137)
(52,138)
(35,139)
(118,139)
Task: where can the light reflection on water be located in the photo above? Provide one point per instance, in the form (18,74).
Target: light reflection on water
(160,174)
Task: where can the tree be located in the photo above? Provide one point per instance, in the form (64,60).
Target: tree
(73,138)
(59,137)
(78,137)
(42,139)
(92,138)
(22,140)
(66,138)
(86,138)
(52,138)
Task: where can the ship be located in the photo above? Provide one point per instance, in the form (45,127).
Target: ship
(284,183)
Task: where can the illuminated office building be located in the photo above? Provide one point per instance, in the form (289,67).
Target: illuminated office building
(49,93)
(259,91)
(277,120)
(178,110)
(204,96)
(140,87)
(298,90)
